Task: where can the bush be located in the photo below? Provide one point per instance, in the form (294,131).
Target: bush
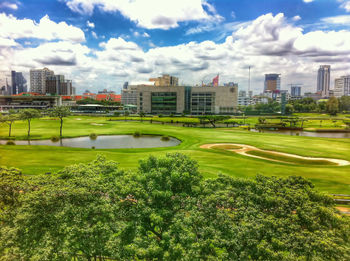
(93,136)
(165,138)
(93,147)
(55,138)
(10,142)
(137,134)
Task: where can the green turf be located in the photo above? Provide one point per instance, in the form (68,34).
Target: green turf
(41,159)
(284,158)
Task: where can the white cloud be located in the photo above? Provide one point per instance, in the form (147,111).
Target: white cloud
(345,5)
(308,1)
(296,18)
(94,35)
(90,24)
(151,14)
(340,20)
(9,5)
(270,44)
(13,28)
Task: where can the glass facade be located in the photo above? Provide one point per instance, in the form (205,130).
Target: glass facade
(164,102)
(203,103)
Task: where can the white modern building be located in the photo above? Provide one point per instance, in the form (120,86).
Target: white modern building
(342,86)
(38,79)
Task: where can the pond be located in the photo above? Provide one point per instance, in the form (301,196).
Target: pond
(339,135)
(106,142)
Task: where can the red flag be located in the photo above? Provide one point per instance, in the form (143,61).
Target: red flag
(216,81)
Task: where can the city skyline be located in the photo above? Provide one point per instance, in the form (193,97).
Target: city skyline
(101,44)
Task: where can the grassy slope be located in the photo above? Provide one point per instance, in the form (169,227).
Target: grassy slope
(39,159)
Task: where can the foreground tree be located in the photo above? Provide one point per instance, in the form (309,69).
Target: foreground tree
(166,211)
(60,112)
(9,119)
(28,115)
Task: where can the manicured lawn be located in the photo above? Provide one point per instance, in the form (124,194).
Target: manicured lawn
(42,159)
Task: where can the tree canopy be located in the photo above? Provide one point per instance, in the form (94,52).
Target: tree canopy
(166,210)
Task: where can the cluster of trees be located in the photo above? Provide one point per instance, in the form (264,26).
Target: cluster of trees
(270,107)
(28,115)
(93,101)
(165,211)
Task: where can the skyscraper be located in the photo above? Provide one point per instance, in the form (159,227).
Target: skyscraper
(38,80)
(272,82)
(295,90)
(342,86)
(323,80)
(18,83)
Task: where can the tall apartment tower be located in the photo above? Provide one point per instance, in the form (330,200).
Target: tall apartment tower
(342,86)
(38,80)
(272,82)
(18,83)
(323,80)
(295,90)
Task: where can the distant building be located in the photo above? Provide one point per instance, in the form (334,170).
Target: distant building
(180,99)
(295,90)
(342,86)
(323,80)
(29,102)
(243,99)
(272,82)
(125,85)
(165,80)
(18,83)
(57,85)
(38,80)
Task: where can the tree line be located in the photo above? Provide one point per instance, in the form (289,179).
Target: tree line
(165,210)
(28,115)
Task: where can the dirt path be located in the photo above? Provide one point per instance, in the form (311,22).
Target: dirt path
(243,149)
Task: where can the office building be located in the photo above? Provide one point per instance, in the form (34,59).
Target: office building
(272,82)
(57,85)
(323,80)
(38,80)
(29,102)
(182,99)
(342,86)
(18,83)
(295,90)
(165,80)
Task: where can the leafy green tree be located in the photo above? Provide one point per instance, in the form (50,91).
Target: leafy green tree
(333,106)
(142,114)
(28,115)
(344,103)
(60,112)
(126,114)
(289,109)
(9,119)
(166,210)
(212,119)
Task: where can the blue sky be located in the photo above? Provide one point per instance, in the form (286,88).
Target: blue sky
(102,43)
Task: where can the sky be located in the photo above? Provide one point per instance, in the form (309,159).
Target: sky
(100,44)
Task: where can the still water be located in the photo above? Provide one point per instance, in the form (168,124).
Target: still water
(339,135)
(106,142)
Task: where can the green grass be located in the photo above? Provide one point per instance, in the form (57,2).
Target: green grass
(287,159)
(41,159)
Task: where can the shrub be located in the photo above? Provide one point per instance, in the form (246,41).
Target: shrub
(137,134)
(165,138)
(93,136)
(93,147)
(10,142)
(55,138)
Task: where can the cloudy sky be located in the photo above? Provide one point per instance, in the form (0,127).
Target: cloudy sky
(103,43)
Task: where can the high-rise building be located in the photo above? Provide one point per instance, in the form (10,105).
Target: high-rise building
(165,80)
(57,85)
(342,86)
(38,80)
(18,83)
(323,80)
(125,85)
(295,90)
(272,82)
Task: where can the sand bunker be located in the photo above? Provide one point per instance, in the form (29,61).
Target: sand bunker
(97,124)
(251,151)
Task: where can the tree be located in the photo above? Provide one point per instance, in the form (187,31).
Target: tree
(28,115)
(344,103)
(142,114)
(60,112)
(126,114)
(9,119)
(166,210)
(333,106)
